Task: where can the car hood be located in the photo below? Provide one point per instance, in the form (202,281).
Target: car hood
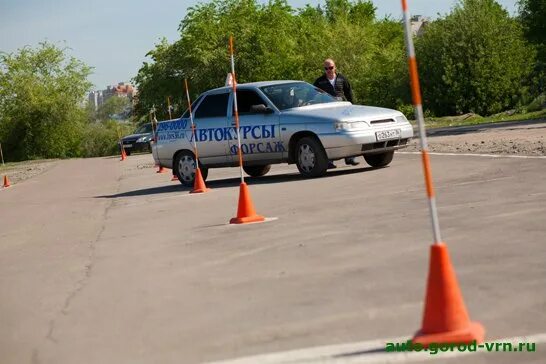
(135,136)
(341,111)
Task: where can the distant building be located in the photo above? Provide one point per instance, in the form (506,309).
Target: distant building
(122,89)
(95,99)
(418,24)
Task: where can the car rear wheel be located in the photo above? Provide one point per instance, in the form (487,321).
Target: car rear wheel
(379,160)
(185,169)
(311,158)
(257,171)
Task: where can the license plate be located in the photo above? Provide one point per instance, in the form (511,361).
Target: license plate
(127,145)
(388,134)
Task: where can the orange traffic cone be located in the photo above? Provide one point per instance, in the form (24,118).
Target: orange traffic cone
(245,210)
(161,170)
(445,318)
(199,183)
(6,182)
(123,154)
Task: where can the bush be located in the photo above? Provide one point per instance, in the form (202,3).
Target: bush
(101,139)
(407,110)
(40,94)
(537,104)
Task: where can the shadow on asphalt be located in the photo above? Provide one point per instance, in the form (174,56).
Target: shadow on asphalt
(360,353)
(148,191)
(234,182)
(117,156)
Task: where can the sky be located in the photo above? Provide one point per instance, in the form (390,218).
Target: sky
(113,36)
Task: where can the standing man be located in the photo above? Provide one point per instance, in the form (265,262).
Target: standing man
(338,86)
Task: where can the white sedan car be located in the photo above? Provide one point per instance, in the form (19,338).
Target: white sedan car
(280,122)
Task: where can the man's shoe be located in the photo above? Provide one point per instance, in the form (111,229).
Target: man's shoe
(351,162)
(331,165)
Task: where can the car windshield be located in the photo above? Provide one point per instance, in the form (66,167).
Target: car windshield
(144,129)
(289,95)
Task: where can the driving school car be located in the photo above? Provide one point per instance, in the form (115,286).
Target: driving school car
(279,122)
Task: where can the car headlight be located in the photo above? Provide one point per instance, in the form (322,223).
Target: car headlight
(401,119)
(349,125)
(143,139)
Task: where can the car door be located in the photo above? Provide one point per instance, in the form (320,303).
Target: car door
(259,128)
(210,120)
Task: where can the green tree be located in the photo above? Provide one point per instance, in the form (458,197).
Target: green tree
(158,79)
(112,106)
(475,59)
(533,18)
(41,92)
(275,41)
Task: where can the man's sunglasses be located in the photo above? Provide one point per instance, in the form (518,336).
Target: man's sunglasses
(329,68)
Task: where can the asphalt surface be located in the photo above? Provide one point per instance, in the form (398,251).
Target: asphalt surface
(104,261)
(458,130)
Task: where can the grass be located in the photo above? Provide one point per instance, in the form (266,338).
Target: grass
(473,119)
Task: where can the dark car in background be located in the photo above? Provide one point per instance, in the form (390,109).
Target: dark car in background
(139,141)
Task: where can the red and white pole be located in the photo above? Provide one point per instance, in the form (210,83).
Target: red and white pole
(2,155)
(245,209)
(418,108)
(445,318)
(169,107)
(192,123)
(236,110)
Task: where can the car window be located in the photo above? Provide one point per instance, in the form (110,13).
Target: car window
(213,106)
(289,95)
(247,98)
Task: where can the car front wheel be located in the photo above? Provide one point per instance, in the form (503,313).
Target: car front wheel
(257,171)
(185,169)
(379,160)
(311,158)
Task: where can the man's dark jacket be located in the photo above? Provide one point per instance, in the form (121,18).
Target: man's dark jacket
(341,88)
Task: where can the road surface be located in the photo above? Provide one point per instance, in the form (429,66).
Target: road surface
(104,261)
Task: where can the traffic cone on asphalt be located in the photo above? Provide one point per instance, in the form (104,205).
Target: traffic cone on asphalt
(245,210)
(199,183)
(6,182)
(445,318)
(123,154)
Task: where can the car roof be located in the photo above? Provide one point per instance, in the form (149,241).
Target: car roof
(253,85)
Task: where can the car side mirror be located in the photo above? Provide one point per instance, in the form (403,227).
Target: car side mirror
(260,109)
